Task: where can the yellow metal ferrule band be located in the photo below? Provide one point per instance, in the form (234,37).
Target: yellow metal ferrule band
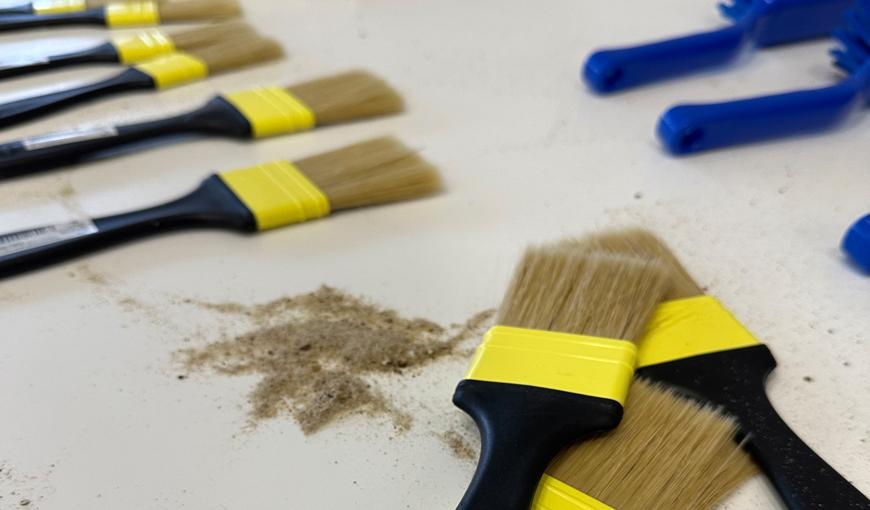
(58,6)
(272,111)
(277,194)
(131,14)
(142,46)
(555,495)
(691,327)
(598,367)
(174,69)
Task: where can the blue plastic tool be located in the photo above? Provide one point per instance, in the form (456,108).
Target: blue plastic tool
(690,128)
(757,23)
(856,243)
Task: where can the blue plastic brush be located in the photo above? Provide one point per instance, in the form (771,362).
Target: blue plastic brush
(755,23)
(856,244)
(690,128)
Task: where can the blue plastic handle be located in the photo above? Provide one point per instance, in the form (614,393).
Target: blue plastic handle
(856,244)
(690,128)
(617,69)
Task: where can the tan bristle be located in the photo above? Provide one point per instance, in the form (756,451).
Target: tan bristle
(372,172)
(210,34)
(637,241)
(238,51)
(93,4)
(667,454)
(348,96)
(571,290)
(174,11)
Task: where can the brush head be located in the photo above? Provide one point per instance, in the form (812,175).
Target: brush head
(237,51)
(175,11)
(348,96)
(668,453)
(643,243)
(209,35)
(570,289)
(372,172)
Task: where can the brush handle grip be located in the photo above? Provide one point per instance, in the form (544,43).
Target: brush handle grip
(102,54)
(212,205)
(33,107)
(14,22)
(735,380)
(691,128)
(618,69)
(217,117)
(522,429)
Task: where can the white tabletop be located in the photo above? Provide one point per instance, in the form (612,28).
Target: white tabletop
(91,413)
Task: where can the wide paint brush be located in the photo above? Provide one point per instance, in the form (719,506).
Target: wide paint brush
(251,199)
(557,366)
(249,114)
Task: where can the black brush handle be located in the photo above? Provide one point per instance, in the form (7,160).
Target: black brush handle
(24,21)
(217,117)
(32,107)
(102,54)
(212,205)
(522,429)
(17,9)
(735,380)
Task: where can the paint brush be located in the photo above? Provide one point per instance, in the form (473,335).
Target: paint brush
(695,344)
(133,13)
(250,114)
(251,199)
(668,453)
(557,366)
(178,68)
(129,48)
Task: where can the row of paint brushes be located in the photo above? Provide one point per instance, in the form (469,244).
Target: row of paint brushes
(558,369)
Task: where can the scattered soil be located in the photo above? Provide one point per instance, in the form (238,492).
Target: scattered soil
(459,445)
(317,353)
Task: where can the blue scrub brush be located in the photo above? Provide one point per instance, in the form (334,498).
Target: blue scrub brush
(757,23)
(856,244)
(690,128)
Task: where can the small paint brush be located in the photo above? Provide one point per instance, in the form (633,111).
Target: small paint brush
(557,366)
(250,114)
(178,68)
(697,345)
(251,199)
(121,14)
(127,48)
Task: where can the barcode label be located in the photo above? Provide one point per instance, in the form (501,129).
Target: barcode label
(42,236)
(21,61)
(63,137)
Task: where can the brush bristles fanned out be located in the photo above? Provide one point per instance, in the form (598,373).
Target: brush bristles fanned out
(640,242)
(368,173)
(668,454)
(175,11)
(210,34)
(238,51)
(348,96)
(571,290)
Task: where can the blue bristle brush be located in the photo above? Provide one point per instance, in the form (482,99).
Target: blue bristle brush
(755,23)
(690,128)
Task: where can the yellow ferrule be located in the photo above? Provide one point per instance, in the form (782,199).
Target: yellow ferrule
(58,6)
(174,69)
(597,367)
(272,111)
(277,194)
(130,14)
(691,327)
(142,46)
(555,495)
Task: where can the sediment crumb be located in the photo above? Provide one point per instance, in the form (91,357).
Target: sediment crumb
(316,354)
(459,445)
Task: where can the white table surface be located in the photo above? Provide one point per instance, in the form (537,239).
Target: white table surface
(91,413)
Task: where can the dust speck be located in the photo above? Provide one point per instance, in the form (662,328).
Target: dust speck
(459,445)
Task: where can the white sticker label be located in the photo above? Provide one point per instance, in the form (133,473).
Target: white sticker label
(42,236)
(64,137)
(21,61)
